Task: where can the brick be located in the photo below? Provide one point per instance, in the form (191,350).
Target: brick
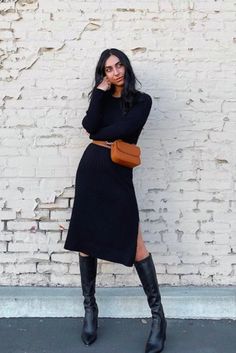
(116,269)
(22,247)
(9,279)
(54,225)
(21,225)
(225,260)
(125,280)
(60,215)
(25,237)
(6,236)
(10,172)
(23,162)
(62,280)
(33,279)
(213,206)
(105,280)
(215,270)
(182,269)
(193,247)
(224,280)
(53,237)
(6,215)
(56,140)
(218,249)
(49,206)
(64,235)
(52,268)
(1,269)
(166,259)
(196,280)
(45,172)
(17,121)
(51,247)
(194,259)
(65,257)
(8,257)
(74,269)
(42,215)
(1,226)
(68,193)
(187,227)
(169,279)
(3,246)
(214,237)
(36,257)
(62,203)
(20,268)
(218,227)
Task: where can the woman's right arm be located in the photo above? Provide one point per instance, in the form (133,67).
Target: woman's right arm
(91,121)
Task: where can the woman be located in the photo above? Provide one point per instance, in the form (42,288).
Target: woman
(105,220)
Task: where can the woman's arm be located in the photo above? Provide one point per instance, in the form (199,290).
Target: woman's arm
(92,119)
(132,122)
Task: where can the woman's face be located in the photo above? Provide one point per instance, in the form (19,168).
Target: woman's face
(115,71)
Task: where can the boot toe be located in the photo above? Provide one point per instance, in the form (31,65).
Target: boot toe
(88,338)
(157,336)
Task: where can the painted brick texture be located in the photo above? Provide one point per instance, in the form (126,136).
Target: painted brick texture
(183,52)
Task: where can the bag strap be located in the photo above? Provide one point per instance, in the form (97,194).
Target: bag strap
(102,143)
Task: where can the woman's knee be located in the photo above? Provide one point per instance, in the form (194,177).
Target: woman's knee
(141,254)
(141,250)
(83,254)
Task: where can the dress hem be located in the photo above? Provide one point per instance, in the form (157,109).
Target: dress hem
(100,255)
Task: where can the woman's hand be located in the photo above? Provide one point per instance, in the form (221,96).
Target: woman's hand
(105,85)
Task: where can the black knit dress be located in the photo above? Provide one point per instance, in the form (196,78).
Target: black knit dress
(105,218)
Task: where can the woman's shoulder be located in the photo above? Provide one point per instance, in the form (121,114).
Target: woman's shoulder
(143,97)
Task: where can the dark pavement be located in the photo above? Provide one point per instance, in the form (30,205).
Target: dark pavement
(62,335)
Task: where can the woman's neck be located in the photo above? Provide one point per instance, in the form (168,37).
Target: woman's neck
(117,92)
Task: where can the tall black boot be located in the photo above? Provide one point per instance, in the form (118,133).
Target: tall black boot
(147,274)
(88,271)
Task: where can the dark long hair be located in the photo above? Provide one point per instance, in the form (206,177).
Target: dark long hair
(129,91)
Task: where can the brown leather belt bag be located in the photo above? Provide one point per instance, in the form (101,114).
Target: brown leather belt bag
(123,153)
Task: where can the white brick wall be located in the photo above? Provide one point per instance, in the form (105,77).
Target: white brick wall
(183,53)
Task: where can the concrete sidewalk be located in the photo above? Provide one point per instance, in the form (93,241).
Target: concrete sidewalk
(62,335)
(129,302)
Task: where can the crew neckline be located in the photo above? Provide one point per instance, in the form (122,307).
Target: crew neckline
(115,97)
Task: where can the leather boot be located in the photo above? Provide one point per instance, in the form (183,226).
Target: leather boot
(147,274)
(88,272)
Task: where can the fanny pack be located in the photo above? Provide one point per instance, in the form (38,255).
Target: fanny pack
(123,153)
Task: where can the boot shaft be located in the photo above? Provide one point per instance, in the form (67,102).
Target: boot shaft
(88,273)
(147,274)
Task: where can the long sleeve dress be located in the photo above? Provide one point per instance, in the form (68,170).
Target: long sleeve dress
(105,217)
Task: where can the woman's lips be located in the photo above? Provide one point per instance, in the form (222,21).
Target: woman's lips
(119,79)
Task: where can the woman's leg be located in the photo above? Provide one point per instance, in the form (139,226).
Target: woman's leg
(141,251)
(88,272)
(146,271)
(83,254)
